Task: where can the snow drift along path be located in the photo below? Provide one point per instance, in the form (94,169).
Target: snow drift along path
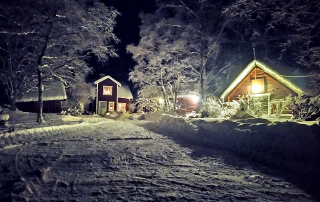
(119,161)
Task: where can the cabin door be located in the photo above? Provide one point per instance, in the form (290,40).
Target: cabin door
(102,108)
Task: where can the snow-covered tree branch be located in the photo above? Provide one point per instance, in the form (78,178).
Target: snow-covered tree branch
(292,26)
(64,34)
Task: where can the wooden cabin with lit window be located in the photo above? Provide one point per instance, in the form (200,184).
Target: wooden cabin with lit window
(111,96)
(258,82)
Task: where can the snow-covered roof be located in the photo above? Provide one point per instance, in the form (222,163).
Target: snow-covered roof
(266,69)
(124,91)
(53,90)
(107,77)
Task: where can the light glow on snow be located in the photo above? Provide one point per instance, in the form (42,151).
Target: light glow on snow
(161,100)
(194,98)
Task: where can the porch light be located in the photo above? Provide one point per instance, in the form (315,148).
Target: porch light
(161,100)
(257,85)
(256,88)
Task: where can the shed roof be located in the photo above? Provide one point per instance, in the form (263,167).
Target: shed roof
(53,90)
(265,68)
(124,91)
(107,77)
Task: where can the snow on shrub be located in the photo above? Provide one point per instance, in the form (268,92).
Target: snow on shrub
(304,107)
(216,108)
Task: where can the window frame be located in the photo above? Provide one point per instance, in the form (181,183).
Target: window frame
(259,81)
(109,103)
(111,87)
(120,108)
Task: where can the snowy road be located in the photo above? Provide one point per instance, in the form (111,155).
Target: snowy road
(119,161)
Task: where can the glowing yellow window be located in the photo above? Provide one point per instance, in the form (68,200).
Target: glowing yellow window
(257,85)
(107,90)
(111,106)
(122,107)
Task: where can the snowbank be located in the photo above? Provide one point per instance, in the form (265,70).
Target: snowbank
(177,126)
(288,145)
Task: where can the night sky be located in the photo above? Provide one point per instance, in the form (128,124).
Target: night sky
(127,30)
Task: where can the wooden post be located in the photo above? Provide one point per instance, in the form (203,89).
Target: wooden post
(269,107)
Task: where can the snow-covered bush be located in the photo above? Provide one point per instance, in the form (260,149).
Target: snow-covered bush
(216,108)
(255,108)
(131,108)
(279,106)
(79,96)
(193,114)
(147,105)
(304,107)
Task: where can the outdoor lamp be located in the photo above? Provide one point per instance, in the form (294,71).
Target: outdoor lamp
(194,98)
(256,88)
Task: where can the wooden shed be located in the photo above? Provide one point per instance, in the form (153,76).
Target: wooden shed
(54,94)
(260,83)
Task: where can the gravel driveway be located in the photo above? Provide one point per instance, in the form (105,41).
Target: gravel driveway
(120,161)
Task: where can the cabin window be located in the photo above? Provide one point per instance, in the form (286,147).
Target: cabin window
(111,106)
(257,85)
(122,107)
(107,90)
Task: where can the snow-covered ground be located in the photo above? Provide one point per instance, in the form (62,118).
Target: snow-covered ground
(136,161)
(25,122)
(290,146)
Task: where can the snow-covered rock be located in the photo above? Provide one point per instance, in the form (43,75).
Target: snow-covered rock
(4,117)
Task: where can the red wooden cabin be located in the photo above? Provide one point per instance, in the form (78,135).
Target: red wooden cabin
(111,96)
(54,94)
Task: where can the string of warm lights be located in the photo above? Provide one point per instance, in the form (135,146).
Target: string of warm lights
(314,75)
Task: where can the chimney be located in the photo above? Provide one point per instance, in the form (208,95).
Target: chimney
(101,75)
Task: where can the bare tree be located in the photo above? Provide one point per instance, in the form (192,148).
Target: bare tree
(17,68)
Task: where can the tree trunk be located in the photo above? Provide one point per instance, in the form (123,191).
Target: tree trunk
(202,50)
(13,103)
(40,100)
(175,87)
(165,99)
(40,86)
(202,93)
(175,101)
